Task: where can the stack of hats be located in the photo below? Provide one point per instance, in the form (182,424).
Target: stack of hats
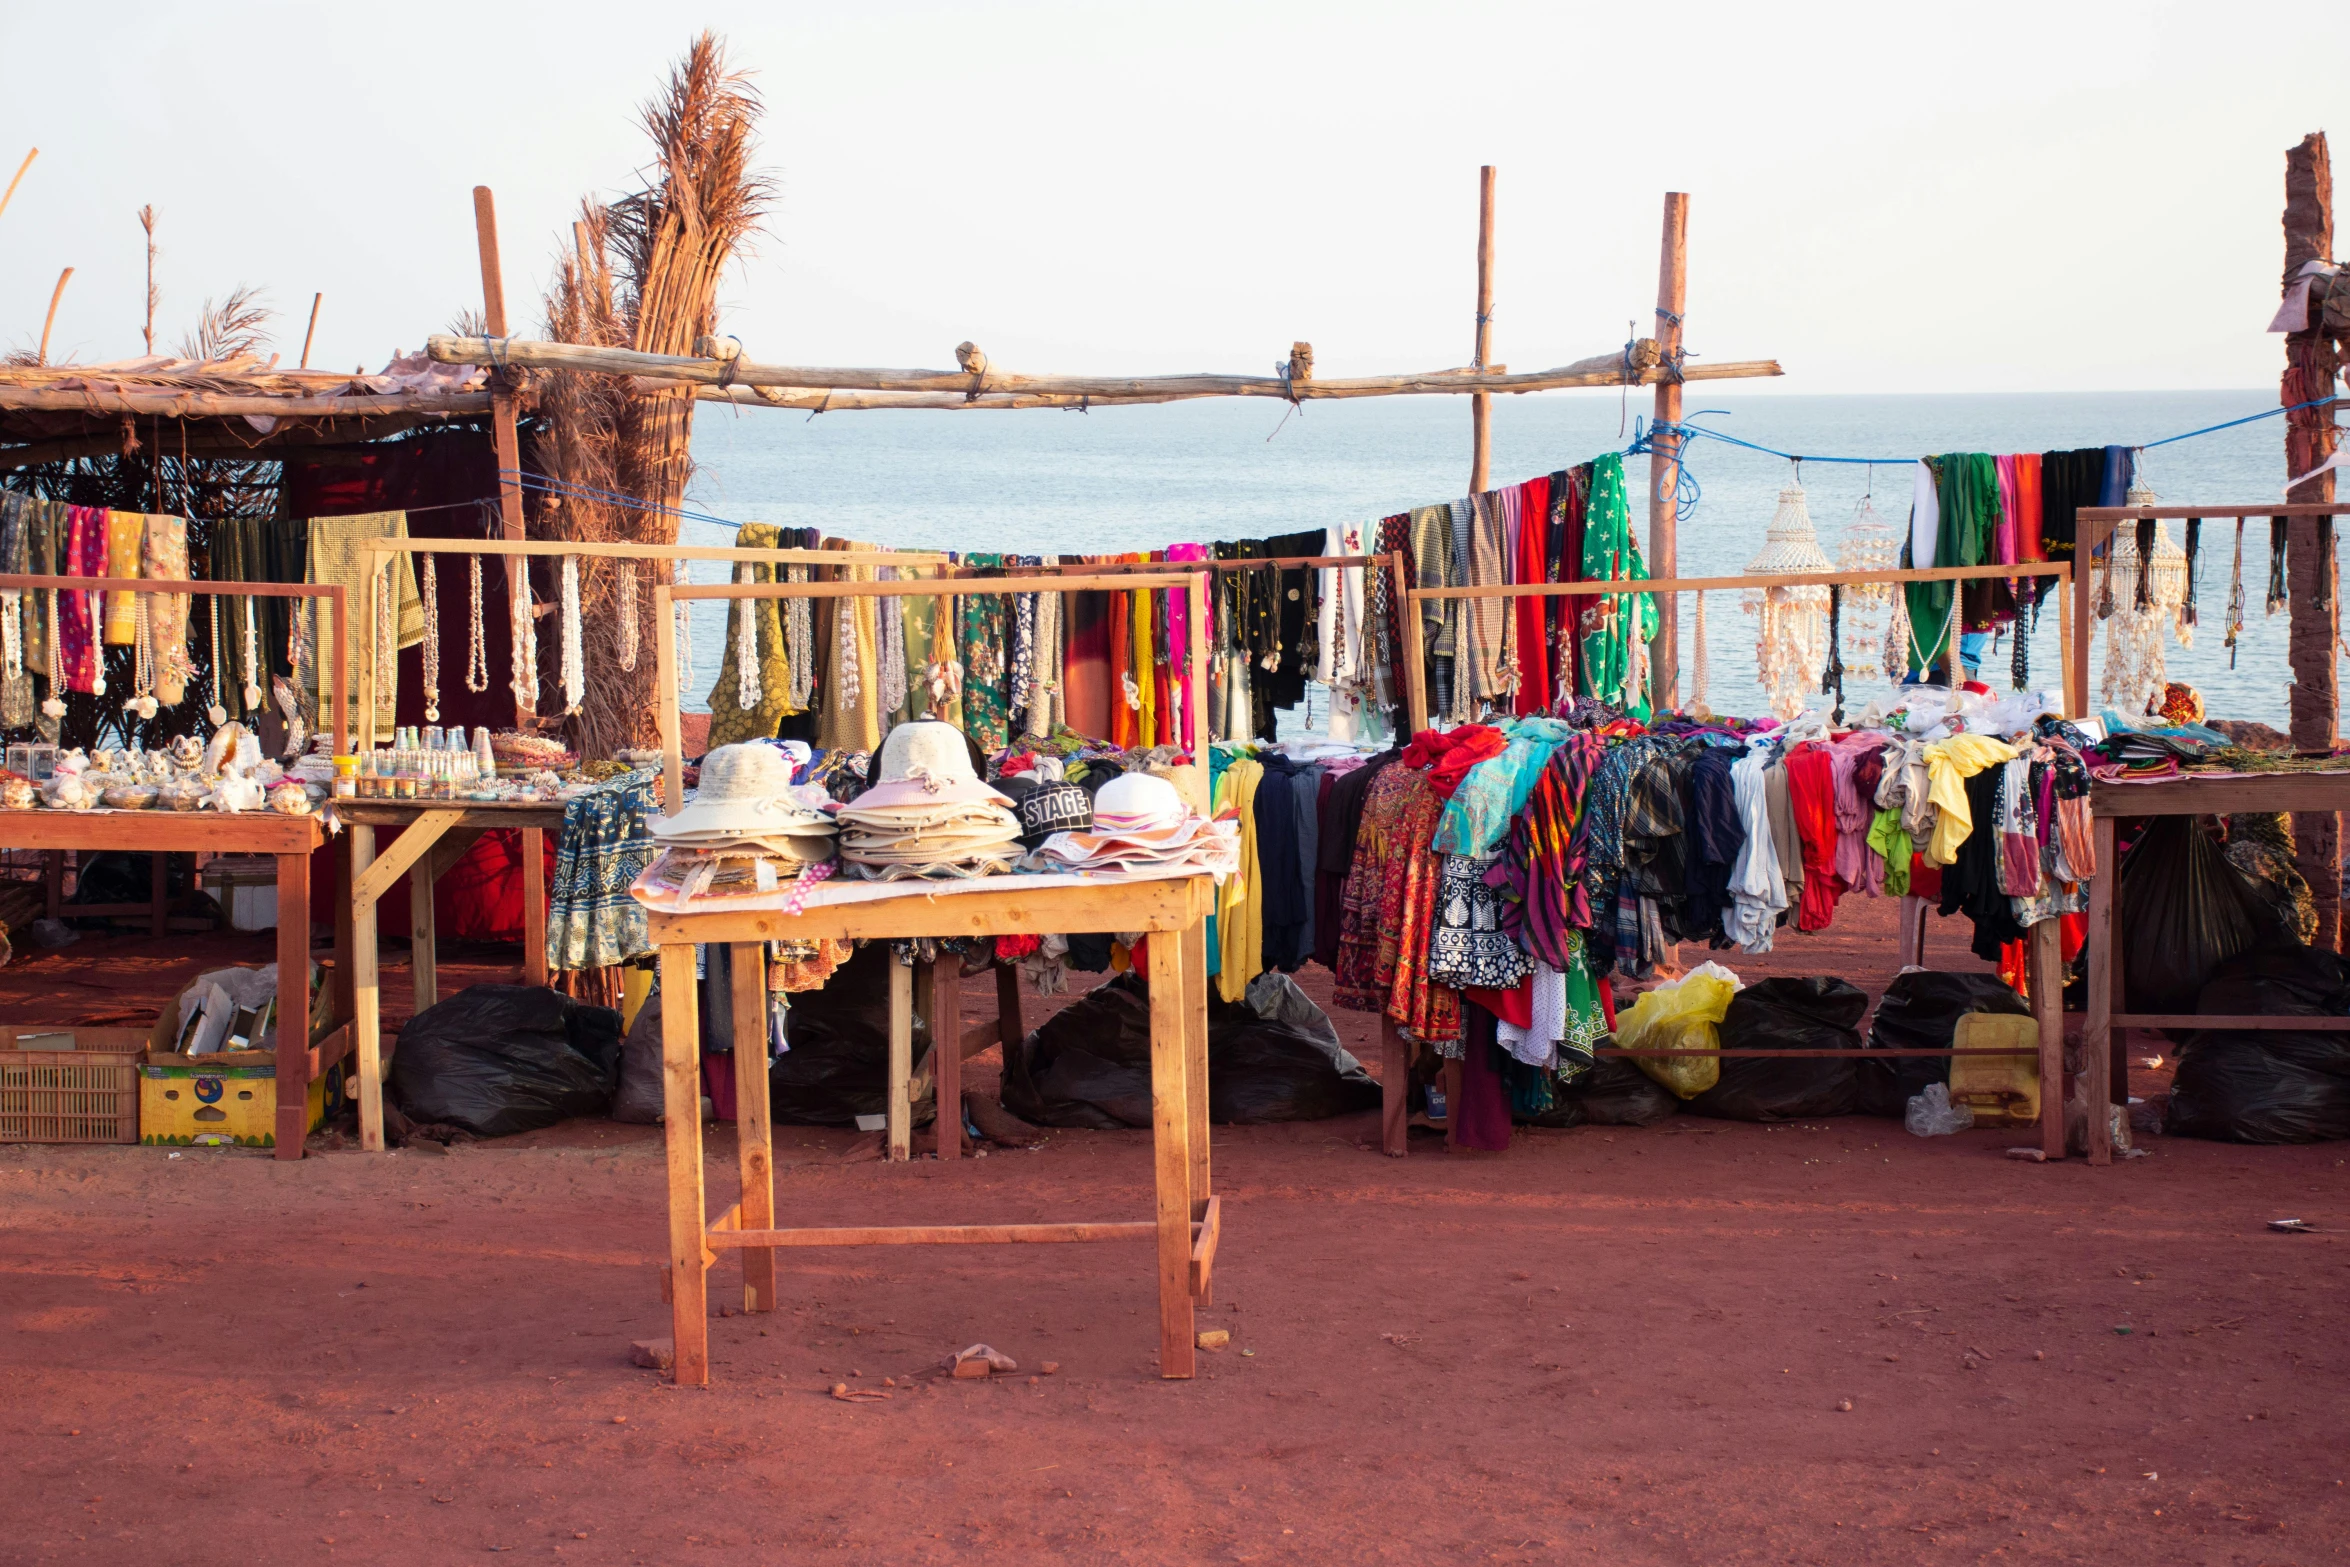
(928,814)
(1140,823)
(745,830)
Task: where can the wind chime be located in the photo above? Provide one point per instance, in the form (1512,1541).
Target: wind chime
(2145,589)
(1791,623)
(1869,544)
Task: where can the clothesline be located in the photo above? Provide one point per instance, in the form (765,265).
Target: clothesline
(1687,489)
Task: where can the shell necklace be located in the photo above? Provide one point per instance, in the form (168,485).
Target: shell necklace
(574,675)
(432,638)
(628,614)
(477,658)
(523,668)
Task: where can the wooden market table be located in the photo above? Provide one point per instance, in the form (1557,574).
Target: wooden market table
(1187,1221)
(434,836)
(2105,1067)
(290,840)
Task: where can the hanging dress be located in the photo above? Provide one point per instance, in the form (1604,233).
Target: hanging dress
(1616,628)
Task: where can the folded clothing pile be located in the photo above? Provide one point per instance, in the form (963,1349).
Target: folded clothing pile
(928,815)
(1141,824)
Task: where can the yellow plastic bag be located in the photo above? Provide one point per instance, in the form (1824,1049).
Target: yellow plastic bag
(1685,1015)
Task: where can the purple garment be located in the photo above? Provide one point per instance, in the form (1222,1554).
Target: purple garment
(1481,1113)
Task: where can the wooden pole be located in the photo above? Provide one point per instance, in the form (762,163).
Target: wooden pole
(1672,300)
(509,446)
(681,1126)
(2310,437)
(147,222)
(666,370)
(1481,403)
(19,180)
(50,320)
(308,335)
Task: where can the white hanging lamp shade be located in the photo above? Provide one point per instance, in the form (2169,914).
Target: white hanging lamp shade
(1791,632)
(2135,668)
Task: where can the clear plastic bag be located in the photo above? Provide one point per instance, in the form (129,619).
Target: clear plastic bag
(1931,1114)
(1684,1015)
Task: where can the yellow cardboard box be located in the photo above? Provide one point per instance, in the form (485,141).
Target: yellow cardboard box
(183,1105)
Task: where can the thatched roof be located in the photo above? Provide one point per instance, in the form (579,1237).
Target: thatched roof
(238,405)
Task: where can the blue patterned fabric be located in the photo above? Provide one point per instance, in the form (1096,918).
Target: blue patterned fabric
(1478,815)
(592,922)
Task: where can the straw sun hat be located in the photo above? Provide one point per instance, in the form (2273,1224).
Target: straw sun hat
(745,793)
(926,763)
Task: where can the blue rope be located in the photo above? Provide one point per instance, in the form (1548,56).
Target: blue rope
(1686,489)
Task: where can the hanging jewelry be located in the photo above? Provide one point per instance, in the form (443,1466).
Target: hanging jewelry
(2194,555)
(53,705)
(142,701)
(252,691)
(628,614)
(1699,664)
(432,638)
(1832,672)
(523,667)
(799,625)
(2277,597)
(747,689)
(2236,595)
(387,641)
(685,646)
(574,672)
(477,656)
(218,711)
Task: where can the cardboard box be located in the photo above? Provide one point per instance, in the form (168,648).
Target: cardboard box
(201,1103)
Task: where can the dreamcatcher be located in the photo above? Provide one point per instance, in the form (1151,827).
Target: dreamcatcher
(1791,630)
(2145,582)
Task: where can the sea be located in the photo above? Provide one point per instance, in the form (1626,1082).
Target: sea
(1132,478)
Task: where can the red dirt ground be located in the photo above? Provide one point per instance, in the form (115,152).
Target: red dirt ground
(1605,1345)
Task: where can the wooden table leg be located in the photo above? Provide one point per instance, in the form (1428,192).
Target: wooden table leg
(366,996)
(293,1004)
(534,906)
(681,1129)
(754,1136)
(1395,1089)
(421,965)
(1194,953)
(1171,1151)
(946,1052)
(2105,974)
(2048,1007)
(901,1060)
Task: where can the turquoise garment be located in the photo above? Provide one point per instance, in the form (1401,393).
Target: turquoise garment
(1478,815)
(1610,625)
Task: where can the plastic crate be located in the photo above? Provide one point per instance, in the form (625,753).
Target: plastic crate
(69,1096)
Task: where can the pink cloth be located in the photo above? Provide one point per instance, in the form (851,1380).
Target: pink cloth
(1179,647)
(1860,868)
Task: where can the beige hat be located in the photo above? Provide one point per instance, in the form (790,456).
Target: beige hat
(745,792)
(926,763)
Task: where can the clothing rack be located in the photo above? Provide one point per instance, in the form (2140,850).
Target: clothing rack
(1415,657)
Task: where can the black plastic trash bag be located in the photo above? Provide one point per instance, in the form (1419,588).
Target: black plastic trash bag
(1090,1064)
(641,1100)
(838,1065)
(2259,1087)
(1617,1093)
(501,1059)
(2184,911)
(1787,1014)
(1920,1011)
(1285,1066)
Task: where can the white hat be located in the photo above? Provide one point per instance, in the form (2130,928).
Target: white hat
(1136,802)
(926,763)
(745,792)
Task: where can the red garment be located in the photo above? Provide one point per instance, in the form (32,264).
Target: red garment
(1012,948)
(1448,754)
(1811,791)
(1514,1006)
(1480,1112)
(1925,881)
(1532,635)
(1123,717)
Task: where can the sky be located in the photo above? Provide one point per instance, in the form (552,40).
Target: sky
(2041,197)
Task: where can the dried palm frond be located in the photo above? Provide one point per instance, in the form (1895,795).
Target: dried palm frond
(643,273)
(231,329)
(469,323)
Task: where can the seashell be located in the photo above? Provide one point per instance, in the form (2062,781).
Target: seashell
(17,794)
(290,799)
